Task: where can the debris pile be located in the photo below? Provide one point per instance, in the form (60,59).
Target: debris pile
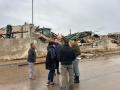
(115,38)
(92,44)
(13,31)
(44,33)
(20,37)
(84,38)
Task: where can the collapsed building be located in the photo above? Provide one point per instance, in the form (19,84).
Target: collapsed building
(15,41)
(92,44)
(20,31)
(86,37)
(115,38)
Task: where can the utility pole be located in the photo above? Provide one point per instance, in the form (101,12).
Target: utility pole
(31,26)
(32,11)
(70,31)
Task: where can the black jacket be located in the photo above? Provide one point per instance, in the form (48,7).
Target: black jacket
(57,50)
(51,58)
(67,55)
(32,55)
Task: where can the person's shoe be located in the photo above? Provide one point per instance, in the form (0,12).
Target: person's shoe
(76,80)
(58,72)
(50,83)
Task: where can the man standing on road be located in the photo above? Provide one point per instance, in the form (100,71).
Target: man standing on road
(31,61)
(67,56)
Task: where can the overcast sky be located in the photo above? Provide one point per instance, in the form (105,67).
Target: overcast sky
(101,16)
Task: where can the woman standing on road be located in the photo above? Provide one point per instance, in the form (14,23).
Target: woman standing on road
(77,52)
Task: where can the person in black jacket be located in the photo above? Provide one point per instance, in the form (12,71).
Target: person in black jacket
(50,62)
(31,60)
(67,56)
(58,47)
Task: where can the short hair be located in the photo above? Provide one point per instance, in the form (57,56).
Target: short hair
(66,41)
(31,44)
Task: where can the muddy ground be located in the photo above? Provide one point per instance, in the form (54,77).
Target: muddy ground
(101,73)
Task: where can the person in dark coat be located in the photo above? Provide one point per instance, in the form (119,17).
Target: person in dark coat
(31,60)
(67,56)
(57,49)
(50,62)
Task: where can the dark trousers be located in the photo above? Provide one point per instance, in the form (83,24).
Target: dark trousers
(51,75)
(57,65)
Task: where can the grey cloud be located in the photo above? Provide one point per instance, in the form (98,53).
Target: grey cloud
(61,15)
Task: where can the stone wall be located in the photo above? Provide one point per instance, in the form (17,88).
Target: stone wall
(11,49)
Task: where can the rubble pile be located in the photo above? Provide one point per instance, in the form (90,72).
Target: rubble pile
(84,37)
(44,33)
(15,41)
(92,44)
(115,38)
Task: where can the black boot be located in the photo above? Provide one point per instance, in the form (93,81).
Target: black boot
(76,80)
(58,72)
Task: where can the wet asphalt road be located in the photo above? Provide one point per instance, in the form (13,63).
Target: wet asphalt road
(99,74)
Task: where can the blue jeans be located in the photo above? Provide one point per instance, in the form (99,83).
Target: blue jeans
(51,75)
(76,67)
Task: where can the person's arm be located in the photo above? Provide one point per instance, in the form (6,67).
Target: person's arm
(78,50)
(60,55)
(73,55)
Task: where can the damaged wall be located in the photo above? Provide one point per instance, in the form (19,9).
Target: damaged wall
(11,49)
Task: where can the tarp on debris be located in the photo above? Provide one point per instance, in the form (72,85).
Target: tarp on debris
(83,37)
(79,35)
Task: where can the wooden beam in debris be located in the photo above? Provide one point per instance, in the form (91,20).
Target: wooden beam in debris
(44,38)
(1,36)
(19,32)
